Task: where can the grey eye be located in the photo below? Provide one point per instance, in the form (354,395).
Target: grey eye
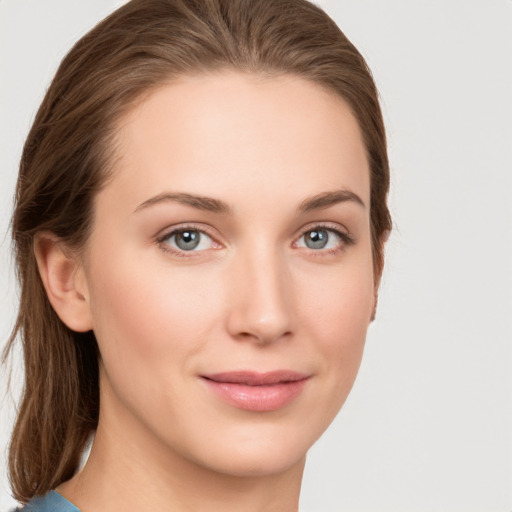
(316,238)
(187,240)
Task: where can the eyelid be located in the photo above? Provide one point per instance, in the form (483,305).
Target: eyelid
(166,233)
(334,226)
(346,237)
(340,230)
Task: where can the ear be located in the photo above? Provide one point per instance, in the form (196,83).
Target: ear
(64,281)
(383,239)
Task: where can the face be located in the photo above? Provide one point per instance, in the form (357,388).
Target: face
(229,272)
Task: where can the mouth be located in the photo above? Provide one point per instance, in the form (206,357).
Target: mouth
(254,391)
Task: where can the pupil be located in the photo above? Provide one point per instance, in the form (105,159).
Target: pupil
(317,239)
(187,240)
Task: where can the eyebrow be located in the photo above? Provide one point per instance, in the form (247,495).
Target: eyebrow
(208,204)
(328,199)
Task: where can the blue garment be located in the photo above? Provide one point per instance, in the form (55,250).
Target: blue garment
(50,502)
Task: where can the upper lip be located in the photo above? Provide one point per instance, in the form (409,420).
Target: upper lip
(252,378)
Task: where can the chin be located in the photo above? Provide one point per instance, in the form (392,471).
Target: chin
(256,450)
(244,463)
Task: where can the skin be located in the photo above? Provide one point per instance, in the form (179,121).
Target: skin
(252,296)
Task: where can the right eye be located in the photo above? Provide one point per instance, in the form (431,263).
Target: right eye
(186,240)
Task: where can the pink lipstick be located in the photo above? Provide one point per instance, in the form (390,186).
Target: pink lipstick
(260,392)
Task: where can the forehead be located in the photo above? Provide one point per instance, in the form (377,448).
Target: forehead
(240,134)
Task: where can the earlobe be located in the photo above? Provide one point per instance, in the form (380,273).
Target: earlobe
(64,281)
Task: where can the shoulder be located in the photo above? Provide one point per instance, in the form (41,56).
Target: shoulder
(50,502)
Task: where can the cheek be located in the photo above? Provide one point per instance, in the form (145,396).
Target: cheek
(337,316)
(146,317)
(151,322)
(340,301)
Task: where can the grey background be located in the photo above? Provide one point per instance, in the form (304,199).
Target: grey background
(428,426)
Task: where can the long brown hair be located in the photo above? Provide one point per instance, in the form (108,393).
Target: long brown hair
(68,156)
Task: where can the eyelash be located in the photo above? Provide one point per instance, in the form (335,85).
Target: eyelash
(346,239)
(165,236)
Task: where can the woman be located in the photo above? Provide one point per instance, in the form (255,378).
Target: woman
(199,224)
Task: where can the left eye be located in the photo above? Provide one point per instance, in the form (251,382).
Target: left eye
(188,240)
(320,238)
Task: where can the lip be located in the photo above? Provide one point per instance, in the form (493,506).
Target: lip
(255,391)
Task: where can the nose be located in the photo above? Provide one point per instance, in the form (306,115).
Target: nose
(260,298)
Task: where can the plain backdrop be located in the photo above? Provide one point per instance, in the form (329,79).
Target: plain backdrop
(428,426)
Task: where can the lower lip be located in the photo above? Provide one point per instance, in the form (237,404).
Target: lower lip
(257,398)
